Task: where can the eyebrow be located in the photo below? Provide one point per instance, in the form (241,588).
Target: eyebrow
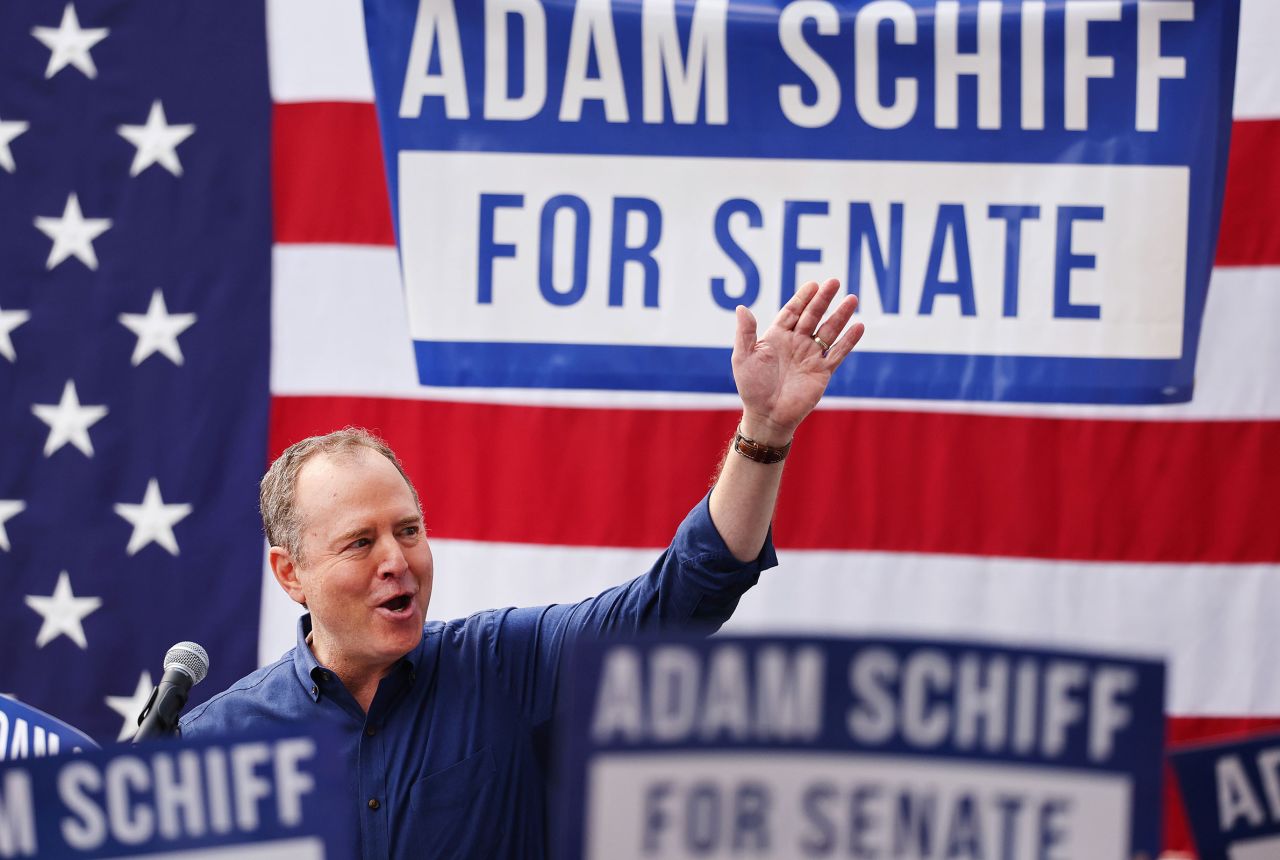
(358,531)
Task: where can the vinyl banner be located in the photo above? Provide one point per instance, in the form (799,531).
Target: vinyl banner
(1024,194)
(1232,795)
(26,732)
(800,747)
(263,796)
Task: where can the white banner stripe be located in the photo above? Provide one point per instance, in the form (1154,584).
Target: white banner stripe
(1257,72)
(1163,610)
(339,326)
(316,51)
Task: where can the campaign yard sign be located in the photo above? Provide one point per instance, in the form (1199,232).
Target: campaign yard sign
(1232,795)
(1024,195)
(260,796)
(26,732)
(804,747)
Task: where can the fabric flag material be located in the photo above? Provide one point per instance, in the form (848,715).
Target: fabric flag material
(1148,529)
(134,294)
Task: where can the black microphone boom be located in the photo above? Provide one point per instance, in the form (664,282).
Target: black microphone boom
(185,665)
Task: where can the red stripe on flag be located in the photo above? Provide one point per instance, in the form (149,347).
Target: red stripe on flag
(1153,491)
(1250,230)
(1188,731)
(328,180)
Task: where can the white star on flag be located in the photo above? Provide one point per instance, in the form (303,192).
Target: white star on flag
(157,330)
(9,320)
(130,706)
(68,421)
(72,234)
(157,141)
(9,508)
(153,520)
(69,45)
(63,613)
(8,131)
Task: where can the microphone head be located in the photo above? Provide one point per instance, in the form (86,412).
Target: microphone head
(189,658)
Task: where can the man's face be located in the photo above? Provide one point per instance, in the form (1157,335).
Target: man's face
(367,570)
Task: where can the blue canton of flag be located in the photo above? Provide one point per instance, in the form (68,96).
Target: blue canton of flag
(135,268)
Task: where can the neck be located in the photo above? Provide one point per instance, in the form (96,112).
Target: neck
(360,679)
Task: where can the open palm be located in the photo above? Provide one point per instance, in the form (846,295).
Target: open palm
(782,375)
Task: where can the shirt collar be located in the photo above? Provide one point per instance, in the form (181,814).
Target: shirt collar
(313,676)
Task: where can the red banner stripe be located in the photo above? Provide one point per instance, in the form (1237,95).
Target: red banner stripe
(1250,230)
(328,181)
(1142,491)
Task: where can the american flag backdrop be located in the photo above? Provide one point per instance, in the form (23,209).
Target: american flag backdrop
(257,192)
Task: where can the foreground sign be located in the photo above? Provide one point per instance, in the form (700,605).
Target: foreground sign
(1232,795)
(261,797)
(859,748)
(585,191)
(26,732)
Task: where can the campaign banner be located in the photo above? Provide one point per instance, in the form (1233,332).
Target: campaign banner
(1231,792)
(261,796)
(1024,195)
(808,747)
(26,732)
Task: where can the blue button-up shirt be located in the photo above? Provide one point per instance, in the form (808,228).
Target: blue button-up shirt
(450,760)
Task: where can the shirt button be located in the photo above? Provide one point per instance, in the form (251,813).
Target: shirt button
(314,690)
(373,803)
(370,731)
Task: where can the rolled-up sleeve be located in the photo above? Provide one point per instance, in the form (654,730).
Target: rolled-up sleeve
(693,586)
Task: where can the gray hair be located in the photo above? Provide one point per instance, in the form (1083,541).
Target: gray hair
(277,495)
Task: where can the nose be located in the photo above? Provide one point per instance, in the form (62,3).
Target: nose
(391,558)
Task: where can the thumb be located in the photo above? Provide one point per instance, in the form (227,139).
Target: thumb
(745,338)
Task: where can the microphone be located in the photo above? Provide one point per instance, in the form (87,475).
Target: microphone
(185,665)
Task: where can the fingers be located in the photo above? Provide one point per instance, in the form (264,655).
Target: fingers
(830,330)
(744,339)
(813,310)
(790,313)
(845,345)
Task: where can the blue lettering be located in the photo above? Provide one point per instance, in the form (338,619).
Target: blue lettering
(950,221)
(703,818)
(489,249)
(751,818)
(860,820)
(1013,216)
(620,253)
(1052,832)
(862,229)
(913,825)
(734,251)
(1010,808)
(582,227)
(964,840)
(792,254)
(822,841)
(655,820)
(1065,261)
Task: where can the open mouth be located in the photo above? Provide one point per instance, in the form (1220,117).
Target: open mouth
(397,604)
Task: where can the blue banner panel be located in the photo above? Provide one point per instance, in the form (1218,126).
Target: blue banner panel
(1232,795)
(1024,195)
(809,747)
(29,733)
(269,796)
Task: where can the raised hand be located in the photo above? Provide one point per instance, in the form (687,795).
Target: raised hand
(782,375)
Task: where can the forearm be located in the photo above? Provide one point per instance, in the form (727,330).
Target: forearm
(746,492)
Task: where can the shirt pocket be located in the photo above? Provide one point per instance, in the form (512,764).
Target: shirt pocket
(445,807)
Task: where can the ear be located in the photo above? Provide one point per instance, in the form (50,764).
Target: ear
(285,570)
